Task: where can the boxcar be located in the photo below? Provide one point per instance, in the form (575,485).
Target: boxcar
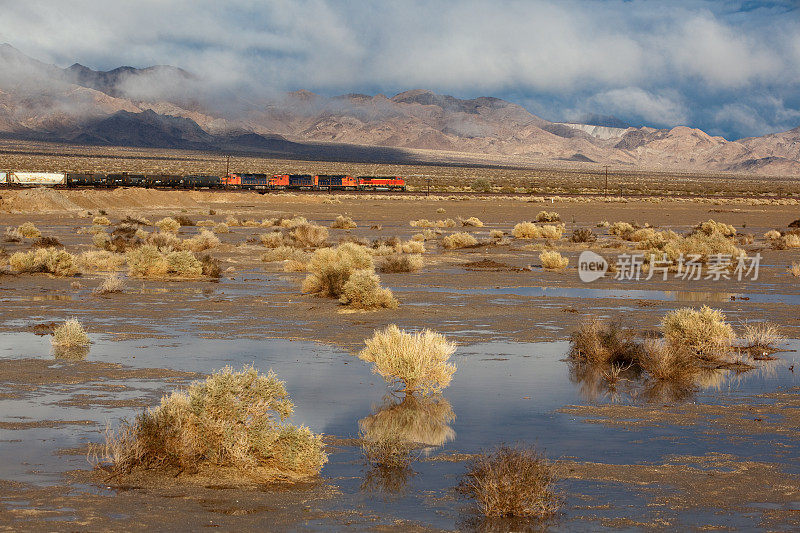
(36,179)
(166,180)
(385,183)
(302,181)
(336,181)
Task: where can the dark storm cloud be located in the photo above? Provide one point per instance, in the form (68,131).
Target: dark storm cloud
(729,67)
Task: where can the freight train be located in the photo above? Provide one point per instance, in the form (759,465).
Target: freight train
(260,182)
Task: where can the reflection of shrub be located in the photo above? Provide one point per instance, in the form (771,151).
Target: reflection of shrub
(70,334)
(512,482)
(419,420)
(400,263)
(233,422)
(705,332)
(419,361)
(363,291)
(330,268)
(459,240)
(552,260)
(49,260)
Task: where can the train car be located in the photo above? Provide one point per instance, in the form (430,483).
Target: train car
(254,181)
(279,181)
(2,178)
(232,180)
(337,181)
(80,179)
(166,181)
(131,180)
(36,179)
(381,183)
(204,182)
(302,181)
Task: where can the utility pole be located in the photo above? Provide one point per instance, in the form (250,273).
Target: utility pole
(428,191)
(605,190)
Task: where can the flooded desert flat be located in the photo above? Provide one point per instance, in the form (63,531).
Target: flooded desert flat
(717,449)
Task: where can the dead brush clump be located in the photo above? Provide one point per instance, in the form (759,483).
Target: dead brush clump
(705,332)
(417,362)
(548,231)
(47,242)
(29,231)
(111,284)
(772,234)
(46,260)
(165,241)
(548,216)
(101,221)
(210,266)
(230,426)
(787,241)
(70,334)
(527,230)
(459,240)
(148,261)
(101,240)
(552,260)
(343,222)
(13,235)
(583,235)
(168,225)
(204,240)
(666,362)
(412,247)
(473,222)
(621,229)
(183,220)
(711,227)
(136,220)
(206,223)
(272,240)
(307,235)
(699,246)
(401,263)
(330,268)
(512,482)
(600,343)
(761,339)
(221,228)
(99,260)
(363,291)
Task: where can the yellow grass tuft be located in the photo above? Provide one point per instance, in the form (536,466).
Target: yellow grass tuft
(101,221)
(70,334)
(418,362)
(705,332)
(459,240)
(401,263)
(48,260)
(99,260)
(548,216)
(200,242)
(527,230)
(363,290)
(552,260)
(29,231)
(474,222)
(330,268)
(112,284)
(343,222)
(168,225)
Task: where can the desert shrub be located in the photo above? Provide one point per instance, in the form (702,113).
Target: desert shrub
(184,264)
(400,263)
(13,235)
(496,234)
(272,240)
(418,237)
(552,260)
(136,220)
(49,260)
(548,216)
(200,242)
(101,221)
(620,228)
(183,220)
(343,222)
(210,266)
(292,222)
(308,235)
(474,222)
(761,337)
(101,240)
(206,223)
(548,231)
(294,265)
(29,231)
(165,241)
(446,223)
(512,482)
(412,247)
(459,240)
(330,268)
(363,290)
(705,332)
(103,260)
(789,240)
(526,230)
(149,262)
(46,242)
(418,362)
(221,228)
(640,235)
(794,269)
(600,343)
(747,238)
(168,225)
(772,234)
(699,245)
(70,334)
(232,221)
(384,250)
(441,210)
(481,185)
(583,235)
(283,253)
(710,227)
(603,224)
(232,423)
(111,284)
(666,362)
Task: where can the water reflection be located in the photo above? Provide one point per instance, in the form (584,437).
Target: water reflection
(71,353)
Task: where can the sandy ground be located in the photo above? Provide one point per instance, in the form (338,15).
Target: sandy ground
(453,294)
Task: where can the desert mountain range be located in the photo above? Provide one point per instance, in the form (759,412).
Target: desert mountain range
(167,107)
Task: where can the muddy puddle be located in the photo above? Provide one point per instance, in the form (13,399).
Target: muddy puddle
(503,392)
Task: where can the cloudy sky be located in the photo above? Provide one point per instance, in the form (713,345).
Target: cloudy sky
(729,67)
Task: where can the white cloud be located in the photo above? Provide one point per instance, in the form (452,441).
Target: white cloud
(655,109)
